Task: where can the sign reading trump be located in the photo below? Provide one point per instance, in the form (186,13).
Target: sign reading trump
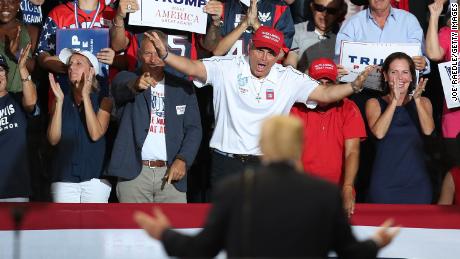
(356,56)
(185,15)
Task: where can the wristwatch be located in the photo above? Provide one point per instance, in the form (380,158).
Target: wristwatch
(28,78)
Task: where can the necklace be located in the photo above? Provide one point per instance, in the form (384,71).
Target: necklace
(257,90)
(75,6)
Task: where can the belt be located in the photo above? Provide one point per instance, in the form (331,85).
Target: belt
(243,158)
(154,163)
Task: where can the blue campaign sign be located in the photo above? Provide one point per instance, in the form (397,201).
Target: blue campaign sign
(92,40)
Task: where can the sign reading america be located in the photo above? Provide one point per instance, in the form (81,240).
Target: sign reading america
(185,15)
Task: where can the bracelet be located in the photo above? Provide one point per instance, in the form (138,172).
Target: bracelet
(116,25)
(165,56)
(219,25)
(356,88)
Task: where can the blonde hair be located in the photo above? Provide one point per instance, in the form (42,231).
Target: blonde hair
(281,138)
(94,82)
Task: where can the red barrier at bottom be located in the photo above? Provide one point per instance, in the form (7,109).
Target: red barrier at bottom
(119,216)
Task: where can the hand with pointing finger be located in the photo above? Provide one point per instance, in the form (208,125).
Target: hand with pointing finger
(177,171)
(144,81)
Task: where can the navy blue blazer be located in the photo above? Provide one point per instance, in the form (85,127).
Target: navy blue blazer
(183,131)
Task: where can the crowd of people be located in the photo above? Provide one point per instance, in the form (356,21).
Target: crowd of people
(178,112)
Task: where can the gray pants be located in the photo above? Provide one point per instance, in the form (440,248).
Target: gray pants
(149,186)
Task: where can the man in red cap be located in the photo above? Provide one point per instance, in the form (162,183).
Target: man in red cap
(247,90)
(332,134)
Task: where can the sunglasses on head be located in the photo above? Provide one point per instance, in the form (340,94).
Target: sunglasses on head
(322,8)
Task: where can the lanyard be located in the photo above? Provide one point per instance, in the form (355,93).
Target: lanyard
(75,9)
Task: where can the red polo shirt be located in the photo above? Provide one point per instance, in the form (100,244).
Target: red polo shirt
(324,137)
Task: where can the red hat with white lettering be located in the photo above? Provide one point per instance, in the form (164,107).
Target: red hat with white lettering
(268,37)
(323,68)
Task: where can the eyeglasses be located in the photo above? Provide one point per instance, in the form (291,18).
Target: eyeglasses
(322,8)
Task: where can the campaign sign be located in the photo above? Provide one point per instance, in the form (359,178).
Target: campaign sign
(184,15)
(246,2)
(92,40)
(356,56)
(31,14)
(451,91)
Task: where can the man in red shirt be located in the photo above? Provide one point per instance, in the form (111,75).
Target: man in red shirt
(332,134)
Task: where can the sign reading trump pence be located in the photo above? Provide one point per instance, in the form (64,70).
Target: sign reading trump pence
(184,15)
(356,56)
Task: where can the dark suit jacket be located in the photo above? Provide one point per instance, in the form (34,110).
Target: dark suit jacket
(183,131)
(291,215)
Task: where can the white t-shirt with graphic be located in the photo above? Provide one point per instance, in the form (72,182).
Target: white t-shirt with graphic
(154,147)
(242,102)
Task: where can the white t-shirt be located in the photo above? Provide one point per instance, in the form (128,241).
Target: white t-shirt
(242,101)
(154,147)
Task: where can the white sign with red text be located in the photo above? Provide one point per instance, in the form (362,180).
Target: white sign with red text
(184,15)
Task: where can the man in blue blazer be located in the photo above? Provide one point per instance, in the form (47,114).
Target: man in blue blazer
(159,133)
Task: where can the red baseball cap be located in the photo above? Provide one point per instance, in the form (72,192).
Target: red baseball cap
(268,37)
(323,68)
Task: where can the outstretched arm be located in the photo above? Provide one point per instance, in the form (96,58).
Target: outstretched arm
(433,49)
(379,122)
(29,97)
(424,108)
(251,20)
(211,39)
(193,68)
(96,124)
(117,32)
(334,93)
(55,124)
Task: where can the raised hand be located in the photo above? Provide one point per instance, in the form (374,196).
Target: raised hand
(341,70)
(144,81)
(37,2)
(13,42)
(384,234)
(420,62)
(394,86)
(158,44)
(358,83)
(86,83)
(127,6)
(436,8)
(106,56)
(24,56)
(215,9)
(252,17)
(56,88)
(419,89)
(154,226)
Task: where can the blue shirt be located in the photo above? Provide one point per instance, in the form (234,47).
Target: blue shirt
(78,158)
(14,163)
(400,27)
